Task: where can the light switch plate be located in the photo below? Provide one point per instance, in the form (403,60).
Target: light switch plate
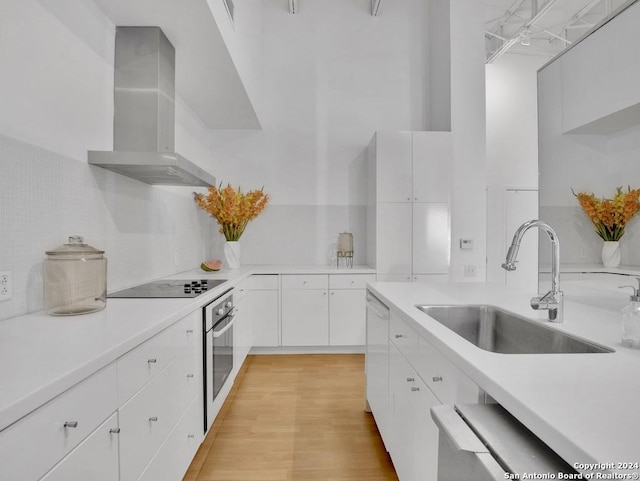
(466,244)
(5,286)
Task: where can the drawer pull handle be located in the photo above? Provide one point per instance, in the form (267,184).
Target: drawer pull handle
(191,436)
(398,336)
(189,331)
(189,375)
(415,389)
(71,424)
(153,419)
(410,379)
(152,361)
(114,430)
(436,378)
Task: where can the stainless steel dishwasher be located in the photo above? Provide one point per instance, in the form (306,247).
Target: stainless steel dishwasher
(483,442)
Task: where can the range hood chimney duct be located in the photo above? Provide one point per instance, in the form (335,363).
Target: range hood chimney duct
(144,113)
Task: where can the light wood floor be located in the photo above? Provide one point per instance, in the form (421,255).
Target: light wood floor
(294,417)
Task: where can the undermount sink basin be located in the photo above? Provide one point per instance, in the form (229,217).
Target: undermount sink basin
(493,329)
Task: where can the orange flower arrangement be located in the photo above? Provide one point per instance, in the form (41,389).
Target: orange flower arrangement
(232,209)
(610,216)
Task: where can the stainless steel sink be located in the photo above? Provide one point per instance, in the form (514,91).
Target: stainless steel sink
(493,329)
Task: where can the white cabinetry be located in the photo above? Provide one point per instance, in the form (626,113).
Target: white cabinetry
(305,310)
(147,419)
(324,310)
(265,310)
(406,376)
(408,204)
(95,458)
(31,446)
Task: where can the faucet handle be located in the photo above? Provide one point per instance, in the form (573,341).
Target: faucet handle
(636,291)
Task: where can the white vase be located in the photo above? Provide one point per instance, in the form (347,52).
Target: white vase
(611,253)
(232,252)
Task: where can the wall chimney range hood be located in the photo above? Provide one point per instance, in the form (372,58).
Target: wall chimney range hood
(144,113)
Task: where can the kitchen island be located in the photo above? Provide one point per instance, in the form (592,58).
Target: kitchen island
(584,406)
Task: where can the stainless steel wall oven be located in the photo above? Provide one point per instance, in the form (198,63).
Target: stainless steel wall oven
(217,323)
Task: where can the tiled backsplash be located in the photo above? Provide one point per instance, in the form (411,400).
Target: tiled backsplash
(46,197)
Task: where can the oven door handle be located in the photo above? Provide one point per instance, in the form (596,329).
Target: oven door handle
(219,333)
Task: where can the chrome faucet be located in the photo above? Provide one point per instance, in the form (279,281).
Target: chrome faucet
(552,300)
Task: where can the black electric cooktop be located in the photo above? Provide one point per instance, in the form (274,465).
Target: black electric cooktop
(169,288)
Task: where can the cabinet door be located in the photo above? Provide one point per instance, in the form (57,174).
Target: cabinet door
(95,459)
(264,316)
(394,238)
(431,238)
(393,166)
(424,465)
(431,166)
(377,369)
(347,313)
(305,318)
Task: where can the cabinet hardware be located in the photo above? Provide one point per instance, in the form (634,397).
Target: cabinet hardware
(189,331)
(153,418)
(415,389)
(114,430)
(189,375)
(71,424)
(436,378)
(410,379)
(398,336)
(152,361)
(191,435)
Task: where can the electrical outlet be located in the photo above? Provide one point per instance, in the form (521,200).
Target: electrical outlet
(5,286)
(470,271)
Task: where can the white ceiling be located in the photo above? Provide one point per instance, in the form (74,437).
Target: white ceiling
(509,25)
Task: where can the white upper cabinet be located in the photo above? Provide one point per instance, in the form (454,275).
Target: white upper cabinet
(431,166)
(430,238)
(394,238)
(394,166)
(601,75)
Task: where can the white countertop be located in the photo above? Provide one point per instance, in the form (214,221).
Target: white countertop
(41,356)
(584,406)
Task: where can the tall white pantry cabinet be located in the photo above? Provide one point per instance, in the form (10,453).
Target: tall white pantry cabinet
(408,205)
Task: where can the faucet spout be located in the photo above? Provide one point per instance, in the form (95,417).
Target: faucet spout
(552,300)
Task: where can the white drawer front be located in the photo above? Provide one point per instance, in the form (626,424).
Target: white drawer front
(304,281)
(141,364)
(175,455)
(350,281)
(31,446)
(264,282)
(95,459)
(438,372)
(147,419)
(405,338)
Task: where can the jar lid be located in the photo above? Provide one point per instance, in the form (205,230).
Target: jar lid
(76,246)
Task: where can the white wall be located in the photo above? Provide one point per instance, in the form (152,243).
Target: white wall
(468,119)
(333,75)
(512,154)
(56,93)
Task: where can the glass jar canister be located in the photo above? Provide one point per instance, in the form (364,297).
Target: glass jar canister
(75,279)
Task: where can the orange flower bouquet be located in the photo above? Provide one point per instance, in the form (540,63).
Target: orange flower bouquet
(232,208)
(610,216)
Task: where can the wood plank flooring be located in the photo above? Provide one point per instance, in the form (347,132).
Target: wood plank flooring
(295,417)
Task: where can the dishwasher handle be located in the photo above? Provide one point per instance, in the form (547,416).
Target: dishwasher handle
(463,441)
(460,436)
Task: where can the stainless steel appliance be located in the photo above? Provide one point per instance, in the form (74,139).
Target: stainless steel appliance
(169,288)
(217,319)
(483,442)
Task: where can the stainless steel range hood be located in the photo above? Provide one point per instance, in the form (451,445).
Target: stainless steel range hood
(144,113)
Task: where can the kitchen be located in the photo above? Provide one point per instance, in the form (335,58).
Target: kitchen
(307,150)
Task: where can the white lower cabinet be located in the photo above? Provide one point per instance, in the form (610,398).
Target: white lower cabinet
(265,310)
(95,458)
(347,310)
(413,436)
(242,325)
(414,377)
(174,457)
(305,315)
(31,446)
